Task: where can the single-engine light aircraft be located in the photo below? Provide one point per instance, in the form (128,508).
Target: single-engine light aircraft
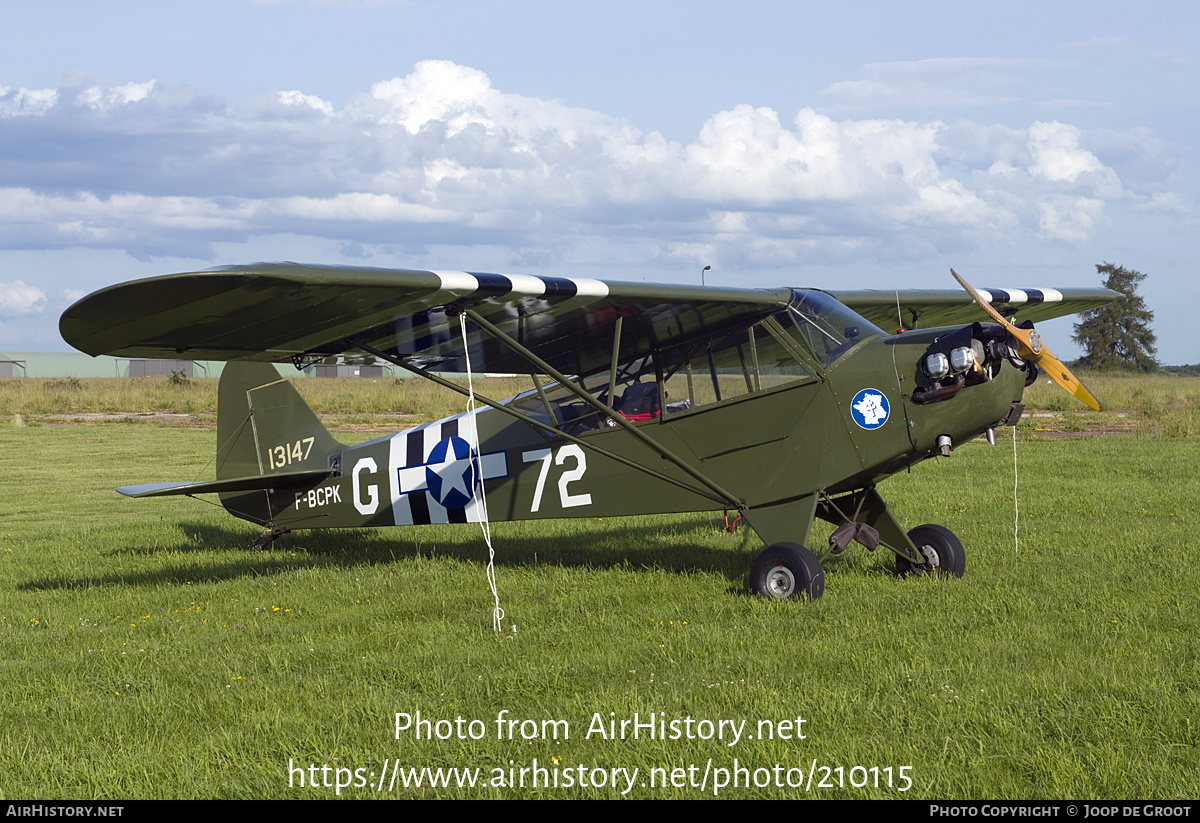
(780,404)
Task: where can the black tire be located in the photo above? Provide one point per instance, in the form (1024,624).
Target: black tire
(787,570)
(944,552)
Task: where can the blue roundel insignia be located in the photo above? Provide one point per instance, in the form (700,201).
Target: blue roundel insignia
(450,473)
(870,408)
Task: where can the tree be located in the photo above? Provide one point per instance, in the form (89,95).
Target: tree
(1118,336)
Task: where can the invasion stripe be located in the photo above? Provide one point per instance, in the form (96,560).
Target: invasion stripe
(559,286)
(459,282)
(527,285)
(402,511)
(414,454)
(494,285)
(429,330)
(586,287)
(463,284)
(419,504)
(1030,296)
(399,454)
(1016,295)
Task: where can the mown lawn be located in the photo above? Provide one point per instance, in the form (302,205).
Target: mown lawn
(147,653)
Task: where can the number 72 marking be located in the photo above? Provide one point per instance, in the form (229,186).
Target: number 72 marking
(567,499)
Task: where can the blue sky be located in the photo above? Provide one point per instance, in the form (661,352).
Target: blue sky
(871,145)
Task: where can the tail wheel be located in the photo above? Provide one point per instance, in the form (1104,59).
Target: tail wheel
(943,553)
(787,570)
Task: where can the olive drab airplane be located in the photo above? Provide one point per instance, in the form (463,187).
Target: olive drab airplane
(782,405)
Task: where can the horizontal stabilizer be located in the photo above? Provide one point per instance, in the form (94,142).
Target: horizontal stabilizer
(232,484)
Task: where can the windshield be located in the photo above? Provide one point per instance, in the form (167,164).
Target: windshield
(829,327)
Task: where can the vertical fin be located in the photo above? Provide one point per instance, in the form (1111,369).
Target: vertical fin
(264,427)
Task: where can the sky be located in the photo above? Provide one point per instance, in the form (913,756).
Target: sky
(851,145)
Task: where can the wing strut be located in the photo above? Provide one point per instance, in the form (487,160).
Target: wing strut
(617,418)
(625,461)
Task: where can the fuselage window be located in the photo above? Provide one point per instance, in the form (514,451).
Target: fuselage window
(742,362)
(733,365)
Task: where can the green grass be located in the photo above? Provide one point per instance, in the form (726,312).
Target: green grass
(1144,405)
(147,653)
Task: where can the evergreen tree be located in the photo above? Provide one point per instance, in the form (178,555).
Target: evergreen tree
(1118,336)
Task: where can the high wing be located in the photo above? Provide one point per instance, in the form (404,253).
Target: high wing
(274,312)
(281,311)
(925,308)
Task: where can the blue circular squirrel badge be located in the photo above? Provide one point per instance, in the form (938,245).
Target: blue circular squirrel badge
(870,408)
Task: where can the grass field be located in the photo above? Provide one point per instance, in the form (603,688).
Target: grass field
(147,653)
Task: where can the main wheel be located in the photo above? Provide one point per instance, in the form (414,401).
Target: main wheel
(787,570)
(943,552)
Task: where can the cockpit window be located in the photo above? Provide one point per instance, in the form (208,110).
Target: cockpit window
(728,366)
(829,328)
(739,363)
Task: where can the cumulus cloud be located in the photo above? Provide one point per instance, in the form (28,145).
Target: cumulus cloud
(297,98)
(18,298)
(101,98)
(1057,155)
(891,165)
(441,156)
(1069,218)
(26,102)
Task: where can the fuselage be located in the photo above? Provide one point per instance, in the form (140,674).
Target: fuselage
(784,427)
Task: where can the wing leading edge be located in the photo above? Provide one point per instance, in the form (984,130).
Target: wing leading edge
(925,308)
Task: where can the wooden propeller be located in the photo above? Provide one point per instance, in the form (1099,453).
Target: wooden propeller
(1031,349)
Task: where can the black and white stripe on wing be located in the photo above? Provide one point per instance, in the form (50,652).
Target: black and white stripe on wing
(1023,296)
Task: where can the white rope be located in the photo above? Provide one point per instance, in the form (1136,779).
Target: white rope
(1016,511)
(497,612)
